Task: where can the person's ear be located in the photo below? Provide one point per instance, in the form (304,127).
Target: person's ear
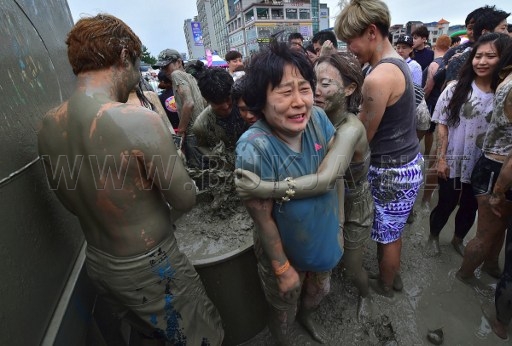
(349,89)
(125,57)
(372,31)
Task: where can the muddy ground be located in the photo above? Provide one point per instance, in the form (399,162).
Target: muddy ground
(432,297)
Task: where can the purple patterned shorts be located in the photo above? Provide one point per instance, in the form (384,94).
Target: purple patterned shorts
(394,191)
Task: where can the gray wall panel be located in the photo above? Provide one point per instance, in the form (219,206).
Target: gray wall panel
(38,246)
(39,240)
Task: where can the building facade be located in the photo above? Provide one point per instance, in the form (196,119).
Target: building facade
(253,23)
(194,38)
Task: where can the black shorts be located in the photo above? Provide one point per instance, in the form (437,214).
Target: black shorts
(432,127)
(484,177)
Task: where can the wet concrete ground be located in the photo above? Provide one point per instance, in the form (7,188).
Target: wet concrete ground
(432,298)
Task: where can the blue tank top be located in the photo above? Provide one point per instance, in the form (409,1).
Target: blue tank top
(395,143)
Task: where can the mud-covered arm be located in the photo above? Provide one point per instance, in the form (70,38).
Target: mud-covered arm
(442,144)
(429,84)
(260,211)
(163,165)
(340,187)
(332,168)
(183,90)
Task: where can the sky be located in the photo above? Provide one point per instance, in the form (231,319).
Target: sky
(159,23)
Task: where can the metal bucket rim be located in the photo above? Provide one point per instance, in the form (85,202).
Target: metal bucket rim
(206,262)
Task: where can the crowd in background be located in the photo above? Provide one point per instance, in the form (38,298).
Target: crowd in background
(325,151)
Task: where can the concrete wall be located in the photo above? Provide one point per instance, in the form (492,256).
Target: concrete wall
(40,241)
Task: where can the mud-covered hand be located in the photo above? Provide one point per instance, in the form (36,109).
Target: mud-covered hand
(443,171)
(327,48)
(289,284)
(248,185)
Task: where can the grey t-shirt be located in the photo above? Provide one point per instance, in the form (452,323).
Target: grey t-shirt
(183,79)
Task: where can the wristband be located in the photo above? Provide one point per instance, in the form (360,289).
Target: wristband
(280,271)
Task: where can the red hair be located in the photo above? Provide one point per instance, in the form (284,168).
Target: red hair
(96,42)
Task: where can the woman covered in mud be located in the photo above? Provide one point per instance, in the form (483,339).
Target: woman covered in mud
(462,114)
(338,93)
(388,113)
(488,241)
(294,259)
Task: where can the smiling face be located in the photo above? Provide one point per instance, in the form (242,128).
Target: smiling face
(289,104)
(330,94)
(360,47)
(485,60)
(223,109)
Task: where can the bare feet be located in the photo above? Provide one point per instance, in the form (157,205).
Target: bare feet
(318,333)
(432,248)
(398,285)
(365,308)
(498,328)
(458,245)
(436,336)
(425,208)
(477,285)
(380,289)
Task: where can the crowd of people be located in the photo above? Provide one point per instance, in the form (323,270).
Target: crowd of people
(325,149)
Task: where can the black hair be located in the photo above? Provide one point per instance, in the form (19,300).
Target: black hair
(455,39)
(310,48)
(267,69)
(473,15)
(488,19)
(509,28)
(462,91)
(232,55)
(505,61)
(325,35)
(421,31)
(238,89)
(215,85)
(195,68)
(295,35)
(144,101)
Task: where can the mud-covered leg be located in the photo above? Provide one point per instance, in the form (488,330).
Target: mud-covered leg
(280,325)
(489,229)
(355,272)
(316,286)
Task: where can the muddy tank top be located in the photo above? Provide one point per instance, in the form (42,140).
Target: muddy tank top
(395,143)
(498,139)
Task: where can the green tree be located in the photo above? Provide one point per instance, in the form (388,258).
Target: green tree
(147,57)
